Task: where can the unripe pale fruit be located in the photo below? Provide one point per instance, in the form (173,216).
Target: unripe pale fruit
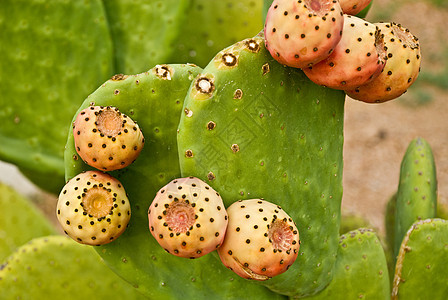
(188,218)
(261,241)
(93,208)
(301,33)
(107,139)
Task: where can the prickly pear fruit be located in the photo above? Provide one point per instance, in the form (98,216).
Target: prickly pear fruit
(353,7)
(93,208)
(188,218)
(401,70)
(261,241)
(302,33)
(358,58)
(107,139)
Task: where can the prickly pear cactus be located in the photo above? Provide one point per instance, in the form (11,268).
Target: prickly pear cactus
(352,221)
(20,221)
(42,84)
(422,270)
(417,189)
(143,31)
(154,100)
(149,32)
(226,23)
(253,128)
(360,270)
(56,267)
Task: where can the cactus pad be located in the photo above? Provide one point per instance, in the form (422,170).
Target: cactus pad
(417,189)
(20,221)
(226,23)
(42,83)
(142,31)
(253,128)
(422,266)
(56,267)
(361,269)
(154,99)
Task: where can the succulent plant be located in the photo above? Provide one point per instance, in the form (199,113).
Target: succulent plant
(261,241)
(401,69)
(93,208)
(188,218)
(357,59)
(107,139)
(302,33)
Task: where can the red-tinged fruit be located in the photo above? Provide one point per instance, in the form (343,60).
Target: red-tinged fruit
(357,59)
(261,241)
(353,7)
(107,139)
(301,33)
(401,69)
(93,208)
(188,218)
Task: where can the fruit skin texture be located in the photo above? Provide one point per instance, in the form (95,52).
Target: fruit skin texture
(107,139)
(301,33)
(93,208)
(188,218)
(262,241)
(353,7)
(401,70)
(358,58)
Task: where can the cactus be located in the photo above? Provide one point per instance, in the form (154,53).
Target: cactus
(261,241)
(93,208)
(54,267)
(358,58)
(20,221)
(417,189)
(302,33)
(421,271)
(41,84)
(107,139)
(226,23)
(361,269)
(154,99)
(253,128)
(187,218)
(173,31)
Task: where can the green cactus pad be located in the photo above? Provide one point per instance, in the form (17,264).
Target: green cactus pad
(142,31)
(417,189)
(361,269)
(155,99)
(253,128)
(54,53)
(20,221)
(151,32)
(422,265)
(211,26)
(56,267)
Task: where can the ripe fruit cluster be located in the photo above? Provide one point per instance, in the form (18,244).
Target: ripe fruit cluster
(370,62)
(254,238)
(93,207)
